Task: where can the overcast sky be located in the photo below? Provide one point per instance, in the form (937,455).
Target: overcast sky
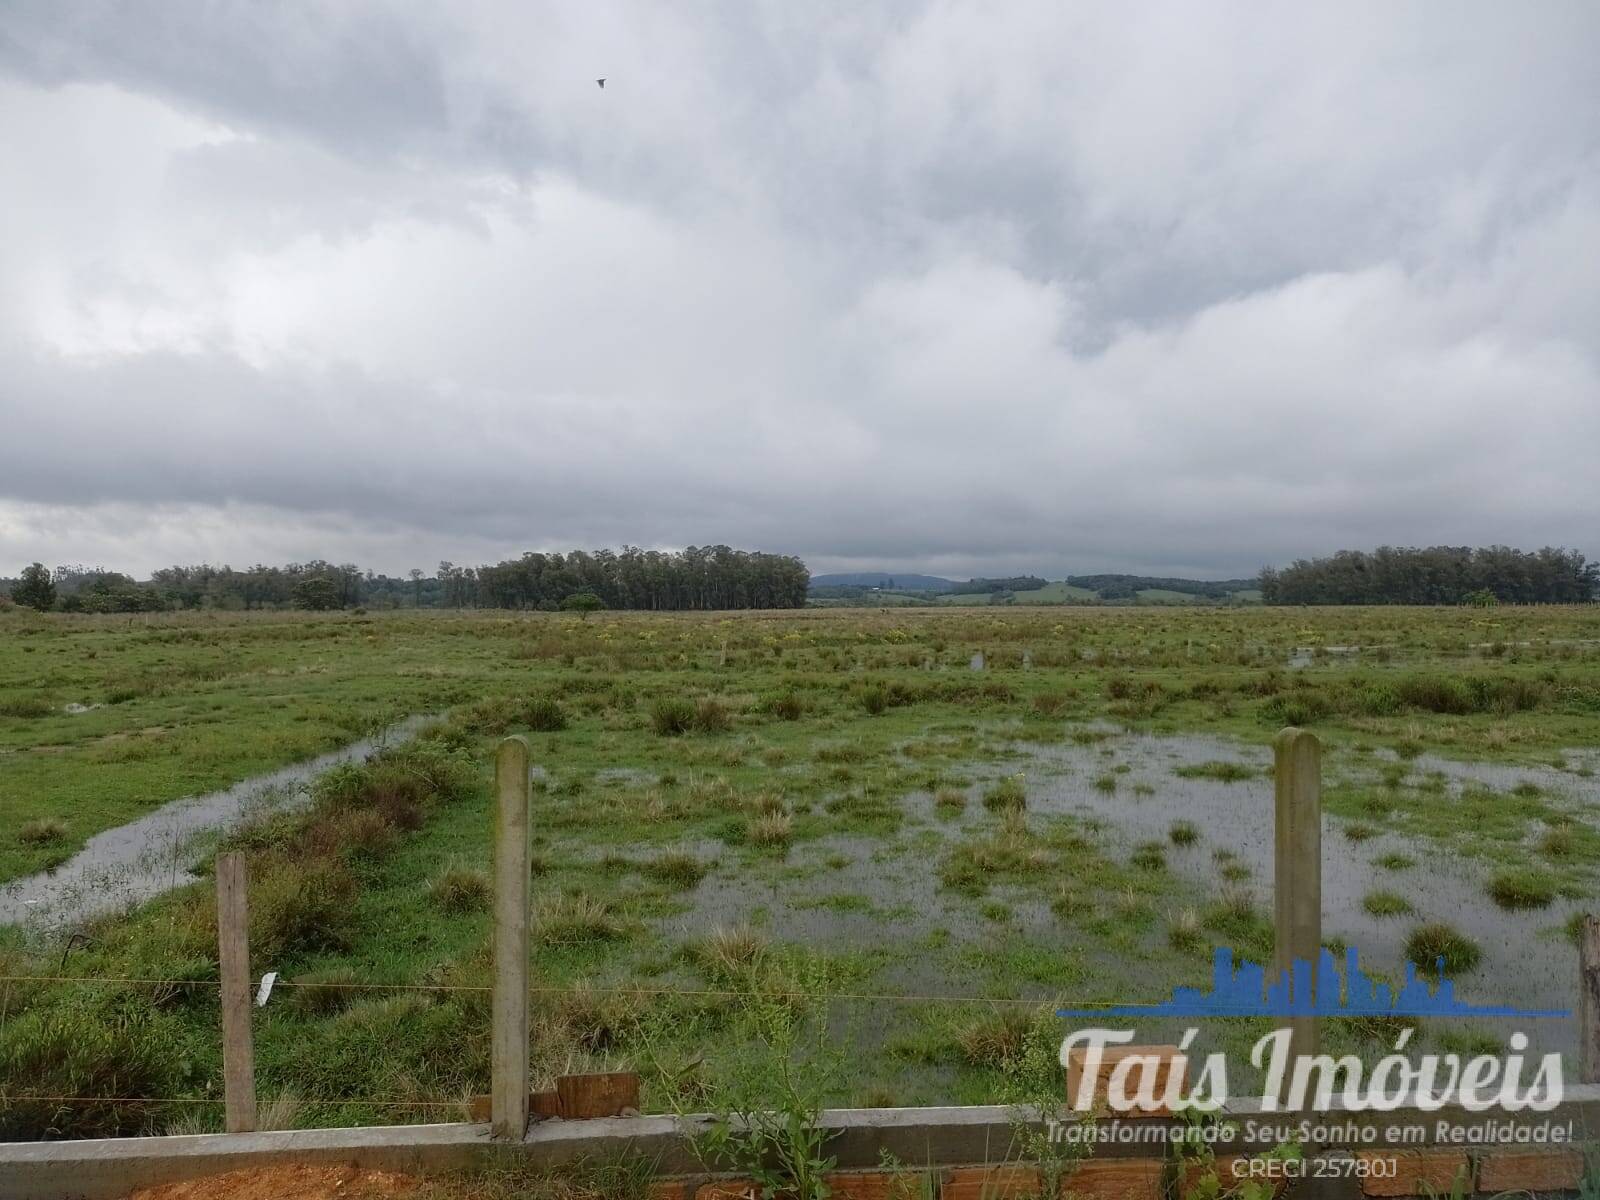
(955,287)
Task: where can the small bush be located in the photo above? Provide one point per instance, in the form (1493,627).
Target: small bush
(672,716)
(1436,694)
(544,714)
(1050,704)
(786,706)
(874,699)
(300,907)
(712,716)
(1183,833)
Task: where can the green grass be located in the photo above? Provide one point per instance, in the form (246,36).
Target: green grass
(793,776)
(1522,888)
(1427,944)
(1386,904)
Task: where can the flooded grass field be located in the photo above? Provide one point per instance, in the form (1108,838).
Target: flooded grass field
(925,829)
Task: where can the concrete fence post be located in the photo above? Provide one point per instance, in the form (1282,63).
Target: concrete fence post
(1297,872)
(233,959)
(1589,999)
(508,1104)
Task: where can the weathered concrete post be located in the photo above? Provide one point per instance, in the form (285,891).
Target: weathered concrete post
(1297,875)
(1589,999)
(508,1105)
(233,958)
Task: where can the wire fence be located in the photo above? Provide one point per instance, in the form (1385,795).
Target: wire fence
(582,988)
(460,1104)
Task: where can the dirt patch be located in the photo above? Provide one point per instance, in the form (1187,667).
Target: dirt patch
(288,1183)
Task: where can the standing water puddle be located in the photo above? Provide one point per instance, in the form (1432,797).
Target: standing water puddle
(884,893)
(121,867)
(1527,961)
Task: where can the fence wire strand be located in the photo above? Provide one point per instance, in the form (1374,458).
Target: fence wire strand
(573,988)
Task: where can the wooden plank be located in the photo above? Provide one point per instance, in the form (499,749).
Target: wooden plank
(599,1094)
(508,1090)
(233,957)
(1297,867)
(1168,1061)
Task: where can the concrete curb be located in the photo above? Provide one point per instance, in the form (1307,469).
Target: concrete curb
(859,1138)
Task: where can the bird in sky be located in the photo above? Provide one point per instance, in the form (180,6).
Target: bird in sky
(602,84)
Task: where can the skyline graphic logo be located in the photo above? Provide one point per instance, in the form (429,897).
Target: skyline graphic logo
(1242,991)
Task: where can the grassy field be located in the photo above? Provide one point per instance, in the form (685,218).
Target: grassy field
(752,829)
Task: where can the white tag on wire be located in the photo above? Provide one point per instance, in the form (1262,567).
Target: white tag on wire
(265,990)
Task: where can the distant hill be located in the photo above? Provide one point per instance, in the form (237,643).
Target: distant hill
(1122,587)
(870,588)
(888,580)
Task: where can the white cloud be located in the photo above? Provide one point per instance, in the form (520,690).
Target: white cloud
(948,286)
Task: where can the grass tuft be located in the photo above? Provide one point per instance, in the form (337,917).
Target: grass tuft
(1183,833)
(460,889)
(1522,888)
(1427,944)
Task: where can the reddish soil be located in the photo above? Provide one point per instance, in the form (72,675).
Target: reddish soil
(288,1183)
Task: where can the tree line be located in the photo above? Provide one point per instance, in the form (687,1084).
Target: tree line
(711,577)
(1435,575)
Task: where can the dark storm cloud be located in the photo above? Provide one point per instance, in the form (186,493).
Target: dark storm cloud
(932,285)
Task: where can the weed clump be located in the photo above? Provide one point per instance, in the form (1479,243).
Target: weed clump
(544,714)
(119,1047)
(573,920)
(712,715)
(1428,944)
(786,706)
(672,716)
(995,1040)
(1183,932)
(770,830)
(1521,888)
(42,831)
(1222,772)
(727,950)
(461,890)
(677,868)
(321,993)
(1183,833)
(1006,795)
(1149,856)
(1386,904)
